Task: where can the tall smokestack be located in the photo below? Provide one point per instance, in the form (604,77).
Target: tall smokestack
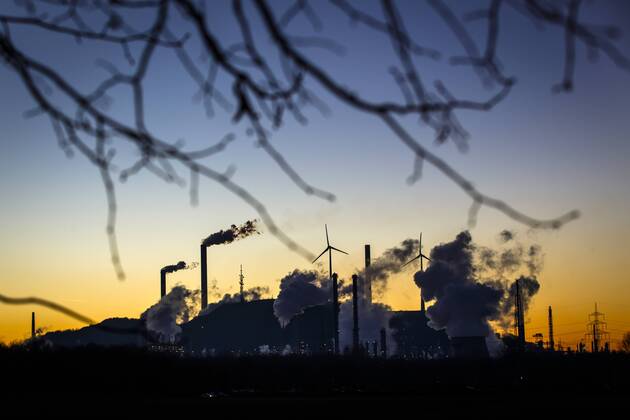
(162,283)
(335,291)
(383,343)
(520,318)
(204,277)
(32,324)
(551,343)
(355,315)
(233,233)
(171,269)
(368,278)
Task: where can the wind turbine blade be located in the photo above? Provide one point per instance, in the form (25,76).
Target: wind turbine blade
(323,252)
(327,241)
(410,261)
(343,252)
(424,256)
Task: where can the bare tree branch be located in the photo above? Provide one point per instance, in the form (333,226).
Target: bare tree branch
(260,96)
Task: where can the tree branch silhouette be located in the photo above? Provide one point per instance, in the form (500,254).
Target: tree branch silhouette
(47,304)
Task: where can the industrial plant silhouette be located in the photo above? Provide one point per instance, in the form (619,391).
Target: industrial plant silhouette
(320,339)
(305,317)
(245,324)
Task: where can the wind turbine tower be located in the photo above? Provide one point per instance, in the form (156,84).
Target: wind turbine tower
(333,281)
(420,257)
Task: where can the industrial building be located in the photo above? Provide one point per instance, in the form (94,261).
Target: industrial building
(246,328)
(235,328)
(414,338)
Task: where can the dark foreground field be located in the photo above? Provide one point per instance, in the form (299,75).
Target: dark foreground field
(120,382)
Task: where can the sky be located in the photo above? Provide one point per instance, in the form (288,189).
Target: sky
(543,152)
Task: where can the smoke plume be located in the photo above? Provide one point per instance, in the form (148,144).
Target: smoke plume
(462,305)
(466,303)
(374,317)
(383,267)
(371,319)
(179,266)
(510,258)
(534,259)
(506,235)
(177,306)
(529,287)
(251,294)
(299,290)
(232,234)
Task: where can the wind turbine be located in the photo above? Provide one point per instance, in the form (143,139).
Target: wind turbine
(421,257)
(335,292)
(329,249)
